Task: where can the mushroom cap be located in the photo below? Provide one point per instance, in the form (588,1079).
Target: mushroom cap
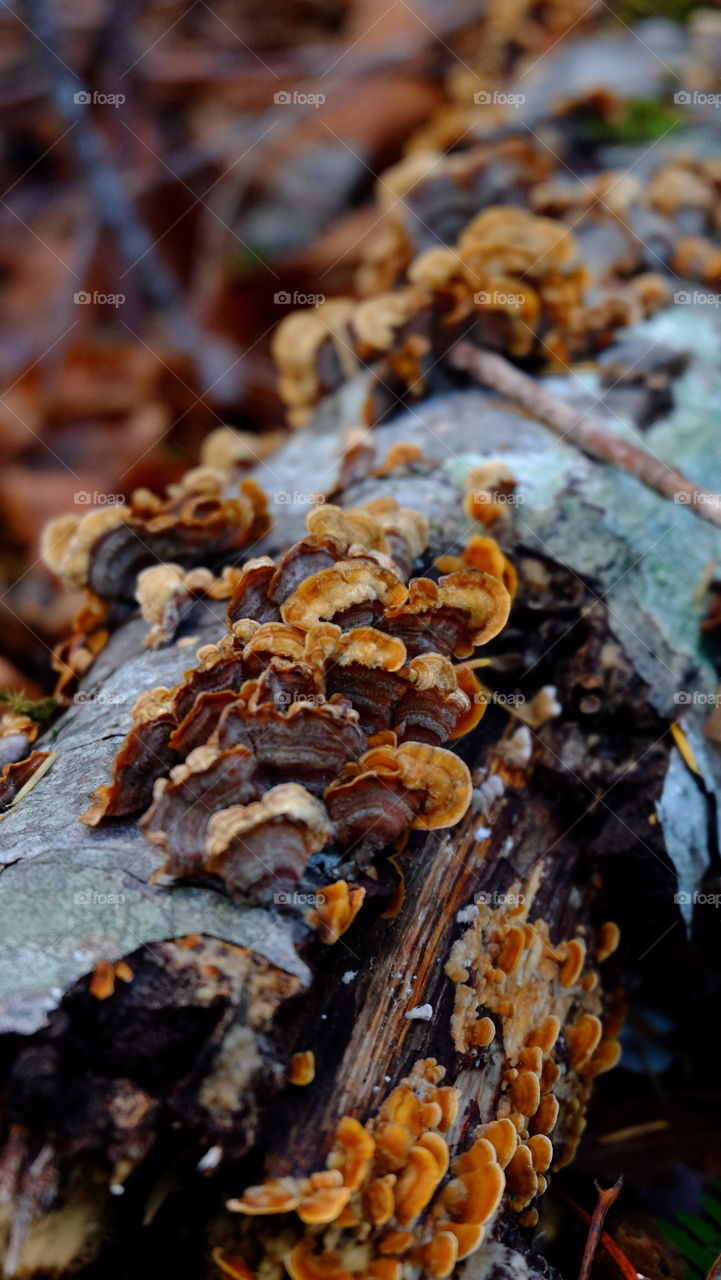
(405,522)
(325,642)
(356,525)
(509,239)
(469,684)
(303,1264)
(349,582)
(440,776)
(287,801)
(482,596)
(55,539)
(337,911)
(155,588)
(486,555)
(432,671)
(375,320)
(482,599)
(66,543)
(274,639)
(152,703)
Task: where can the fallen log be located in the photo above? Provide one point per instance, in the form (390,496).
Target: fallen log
(167,1050)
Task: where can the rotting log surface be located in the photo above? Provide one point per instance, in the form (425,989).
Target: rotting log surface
(190,1058)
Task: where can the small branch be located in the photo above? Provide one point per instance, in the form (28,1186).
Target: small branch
(585,432)
(603,1204)
(623,1263)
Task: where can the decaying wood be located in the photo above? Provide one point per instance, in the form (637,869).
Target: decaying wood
(148,1042)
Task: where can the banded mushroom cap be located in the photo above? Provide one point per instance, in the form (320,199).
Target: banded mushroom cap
(391,789)
(105,550)
(353,526)
(263,848)
(376,321)
(349,583)
(432,707)
(144,755)
(207,781)
(302,343)
(484,554)
(455,615)
(306,740)
(250,596)
(328,645)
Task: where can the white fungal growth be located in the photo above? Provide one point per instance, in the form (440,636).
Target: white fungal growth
(421,1013)
(517,749)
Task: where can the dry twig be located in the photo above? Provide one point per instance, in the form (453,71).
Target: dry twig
(585,432)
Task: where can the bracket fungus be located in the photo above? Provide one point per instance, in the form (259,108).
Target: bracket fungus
(512,282)
(105,550)
(144,756)
(354,592)
(264,847)
(314,724)
(506,965)
(208,780)
(391,789)
(453,616)
(382,1198)
(339,904)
